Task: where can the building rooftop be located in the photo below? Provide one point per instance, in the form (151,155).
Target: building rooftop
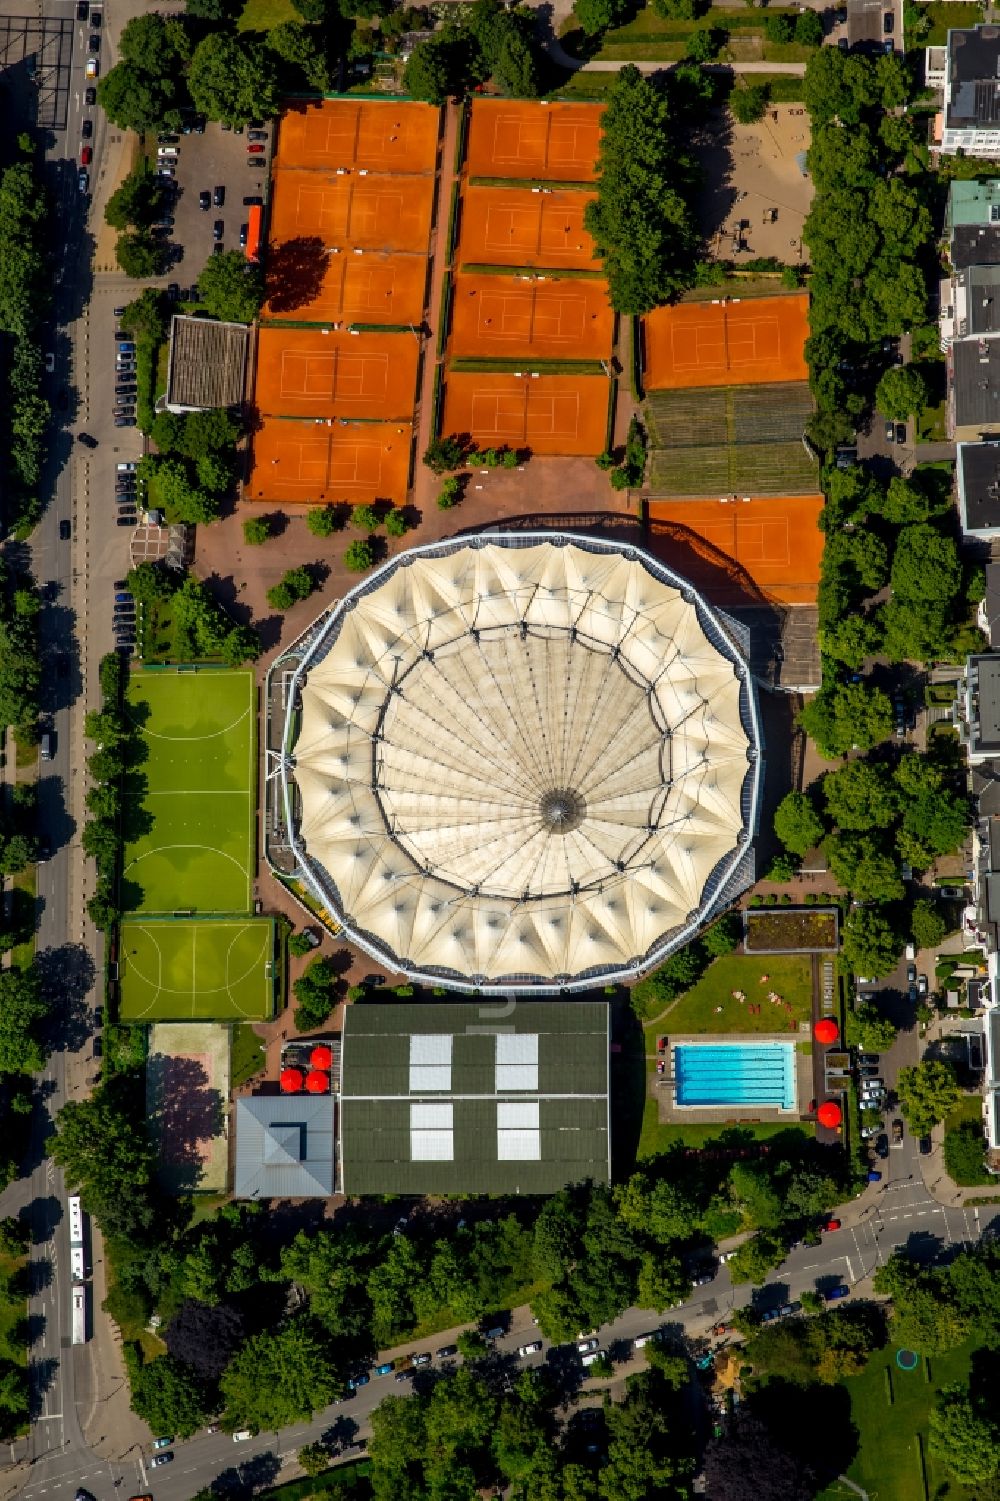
(474,1098)
(977,301)
(207,364)
(284,1147)
(974,203)
(975,245)
(983,705)
(976,382)
(979,486)
(864,21)
(973,94)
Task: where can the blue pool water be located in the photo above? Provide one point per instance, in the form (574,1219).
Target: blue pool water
(735,1073)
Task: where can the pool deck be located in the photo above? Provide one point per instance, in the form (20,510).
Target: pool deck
(662,1085)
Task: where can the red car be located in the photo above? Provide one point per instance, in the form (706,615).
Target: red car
(254,150)
(832,1225)
(86,155)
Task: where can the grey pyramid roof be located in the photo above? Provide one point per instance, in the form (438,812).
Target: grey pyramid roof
(284,1147)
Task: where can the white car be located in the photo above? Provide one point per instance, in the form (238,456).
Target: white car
(586,1345)
(592,1356)
(532,1349)
(92,67)
(241,1435)
(50,363)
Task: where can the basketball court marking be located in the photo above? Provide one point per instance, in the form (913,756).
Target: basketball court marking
(776,540)
(387,136)
(515,227)
(757,341)
(298,462)
(553,414)
(557,141)
(496,315)
(351,211)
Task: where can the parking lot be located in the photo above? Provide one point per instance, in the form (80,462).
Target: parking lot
(215,159)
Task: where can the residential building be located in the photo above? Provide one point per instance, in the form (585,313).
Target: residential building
(463,1098)
(978,475)
(972,223)
(971,120)
(974,387)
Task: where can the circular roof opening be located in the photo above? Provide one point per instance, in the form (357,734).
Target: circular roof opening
(524,760)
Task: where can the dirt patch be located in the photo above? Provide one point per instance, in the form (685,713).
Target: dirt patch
(751,174)
(800,931)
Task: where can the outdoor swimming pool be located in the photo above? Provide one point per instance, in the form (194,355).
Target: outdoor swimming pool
(735,1073)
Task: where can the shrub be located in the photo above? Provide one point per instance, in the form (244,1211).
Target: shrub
(256,531)
(359,555)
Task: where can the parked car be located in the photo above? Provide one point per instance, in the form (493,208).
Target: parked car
(832,1225)
(218,230)
(162,1443)
(897,1132)
(867,1058)
(890,432)
(244,235)
(586,1345)
(924,1146)
(357,1381)
(87,128)
(160,1459)
(256,135)
(888,22)
(255,150)
(219,196)
(83,182)
(82,9)
(406,1374)
(92,68)
(87,440)
(86,155)
(124,422)
(921,985)
(204,200)
(424,1358)
(446,1352)
(65,531)
(90,97)
(837,1292)
(94,42)
(532,1349)
(882,1145)
(592,1356)
(900,426)
(384,1370)
(95,19)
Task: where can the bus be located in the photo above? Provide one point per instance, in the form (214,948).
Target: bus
(75,1211)
(79,1306)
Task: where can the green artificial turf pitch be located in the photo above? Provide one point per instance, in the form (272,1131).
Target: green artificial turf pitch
(200,730)
(204,969)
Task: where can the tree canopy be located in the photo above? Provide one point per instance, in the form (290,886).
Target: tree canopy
(927,1092)
(231,287)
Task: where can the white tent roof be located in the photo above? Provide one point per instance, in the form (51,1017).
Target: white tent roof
(520,760)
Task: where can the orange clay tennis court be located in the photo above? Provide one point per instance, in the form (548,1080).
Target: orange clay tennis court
(370,288)
(496,315)
(302,372)
(735,343)
(379,213)
(553,414)
(516,227)
(369,134)
(776,540)
(298,462)
(548,142)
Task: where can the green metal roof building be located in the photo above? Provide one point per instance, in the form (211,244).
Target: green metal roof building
(474,1098)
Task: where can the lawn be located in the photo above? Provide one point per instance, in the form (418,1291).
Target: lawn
(945,15)
(201,970)
(192,840)
(247,1056)
(657,1137)
(22,954)
(887,1466)
(789,976)
(969,1109)
(264,15)
(931,418)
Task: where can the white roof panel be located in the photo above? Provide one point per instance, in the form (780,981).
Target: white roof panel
(426,1080)
(431,1047)
(517,1047)
(520,1114)
(431,1117)
(432,1146)
(516,1076)
(519,1146)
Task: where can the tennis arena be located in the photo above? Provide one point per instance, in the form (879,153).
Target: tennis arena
(199,800)
(309,372)
(556,142)
(353,211)
(498,315)
(775,539)
(306,282)
(516,227)
(301,462)
(727,343)
(552,414)
(171,969)
(367,135)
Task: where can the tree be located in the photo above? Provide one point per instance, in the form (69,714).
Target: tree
(168,1395)
(843,715)
(140,256)
(901,391)
(442,454)
(359,555)
(214,473)
(641,224)
(104,1149)
(146,316)
(868,1029)
(596,16)
(280,1377)
(864,867)
(450,493)
(809,29)
(314,994)
(300,944)
(314,1458)
(748,101)
(365,518)
(233,79)
(396,524)
(925,565)
(295,584)
(15,1236)
(438,67)
(757,1256)
(965,1442)
(862,795)
(323,520)
(295,44)
(723,936)
(256,530)
(157,44)
(927,1093)
(747,1463)
(871,946)
(797,824)
(926,924)
(779,28)
(240,644)
(138,200)
(704,44)
(22,1010)
(965,1155)
(136,101)
(505,47)
(230,286)
(205,1337)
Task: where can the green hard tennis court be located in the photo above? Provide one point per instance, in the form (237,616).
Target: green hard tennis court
(200,730)
(206,969)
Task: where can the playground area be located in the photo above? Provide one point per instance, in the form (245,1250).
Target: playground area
(308,284)
(194,850)
(363,135)
(187,1088)
(297,461)
(776,540)
(555,142)
(352,212)
(519,227)
(197,969)
(323,373)
(552,414)
(498,315)
(726,343)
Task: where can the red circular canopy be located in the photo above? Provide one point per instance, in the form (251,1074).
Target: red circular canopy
(317,1083)
(321,1056)
(826,1030)
(291,1080)
(828,1113)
